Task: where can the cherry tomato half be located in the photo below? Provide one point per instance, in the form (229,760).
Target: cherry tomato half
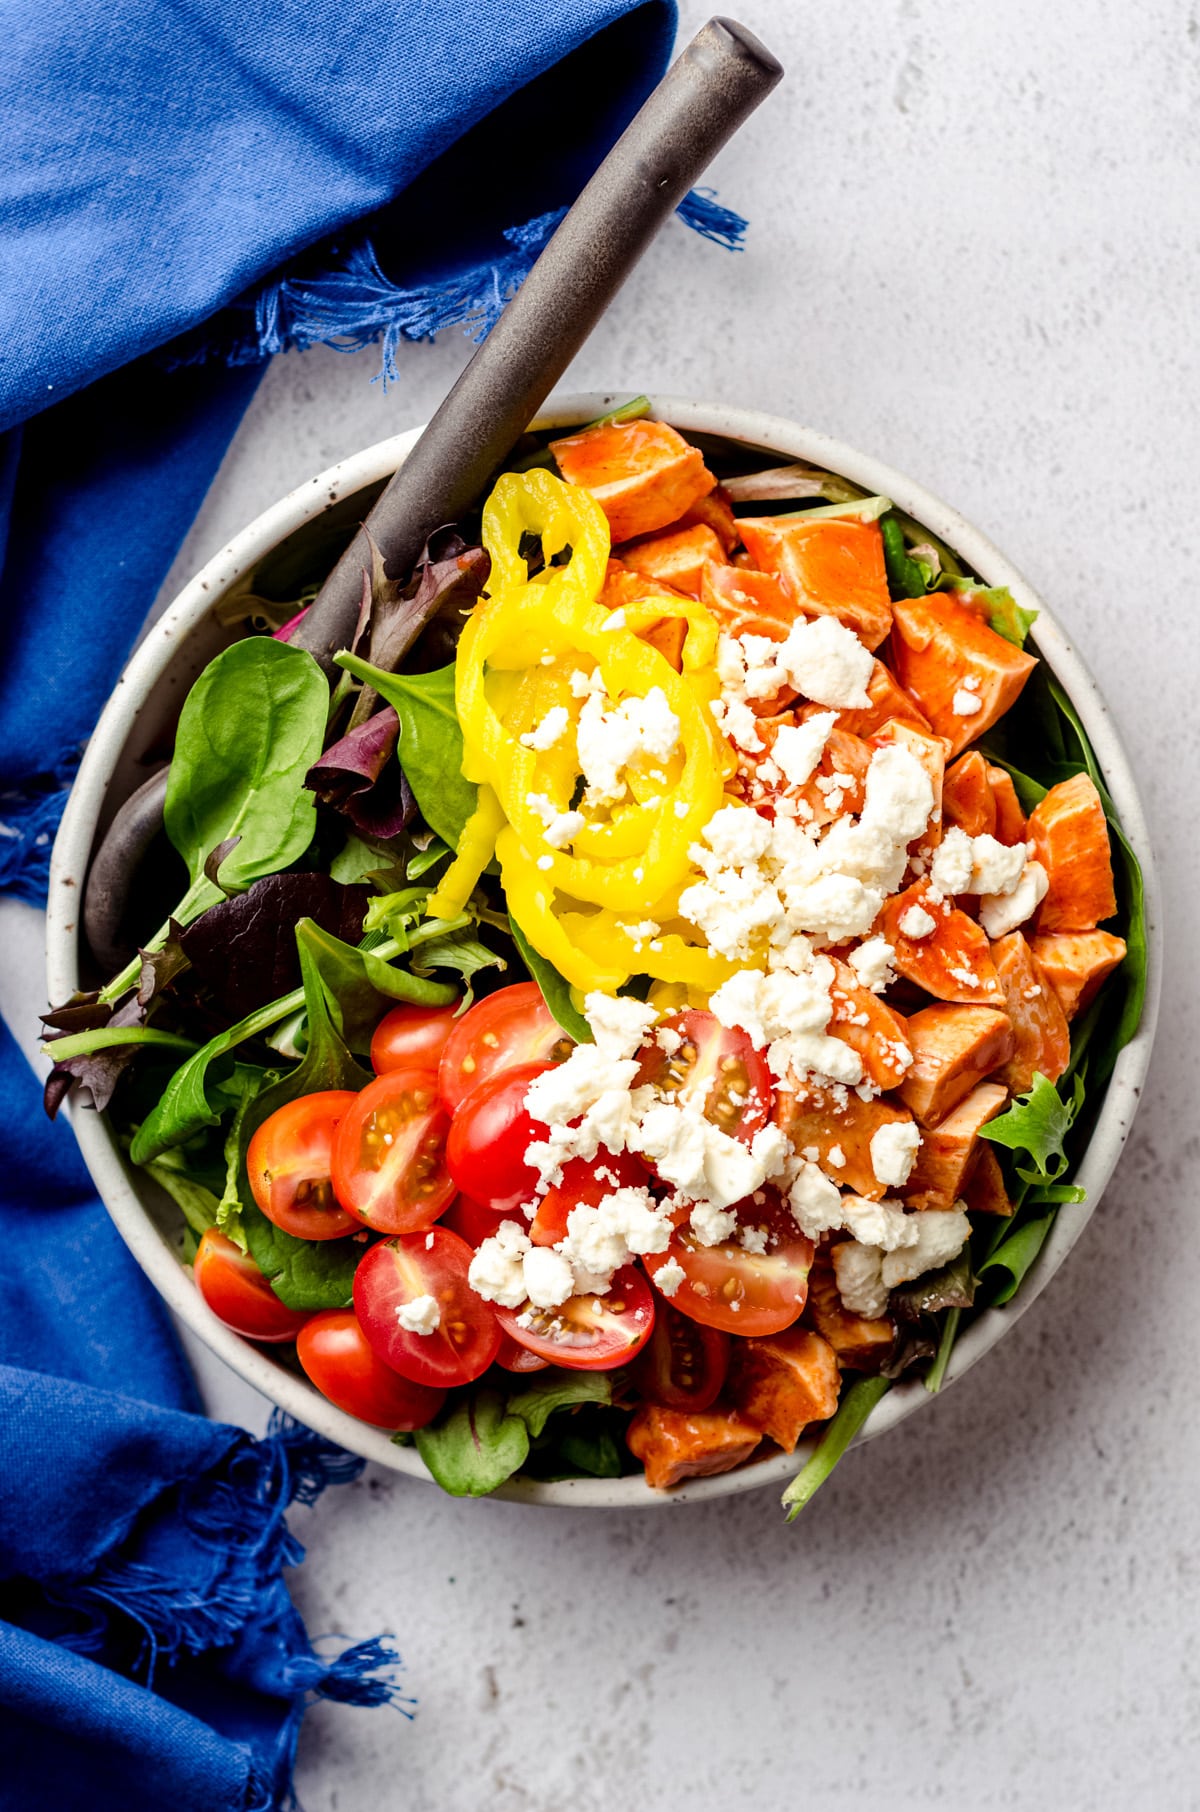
(341,1362)
(288,1165)
(514,1358)
(391,1275)
(489,1136)
(239,1295)
(732,1286)
(587,1181)
(587,1333)
(389,1154)
(684,1365)
(513,1026)
(716,1064)
(472,1220)
(411,1038)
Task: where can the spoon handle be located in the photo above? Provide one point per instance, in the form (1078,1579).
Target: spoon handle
(712,87)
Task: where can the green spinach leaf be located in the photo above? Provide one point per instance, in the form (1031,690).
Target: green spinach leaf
(304,1273)
(905,576)
(430,744)
(251,727)
(554,1390)
(474,1445)
(360,985)
(556,990)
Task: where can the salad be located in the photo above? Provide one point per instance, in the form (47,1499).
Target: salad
(658,995)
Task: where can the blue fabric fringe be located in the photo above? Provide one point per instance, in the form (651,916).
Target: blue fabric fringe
(347,307)
(353,305)
(236,1514)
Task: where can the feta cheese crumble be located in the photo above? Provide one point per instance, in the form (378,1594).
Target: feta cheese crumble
(1001,913)
(551,730)
(420,1316)
(894,1149)
(916,923)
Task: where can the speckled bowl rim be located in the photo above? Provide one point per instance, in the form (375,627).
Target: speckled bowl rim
(118,1186)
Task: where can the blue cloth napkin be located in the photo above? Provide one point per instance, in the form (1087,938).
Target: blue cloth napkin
(184,191)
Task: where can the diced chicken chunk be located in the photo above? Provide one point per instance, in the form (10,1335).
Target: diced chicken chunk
(953,1049)
(642,474)
(1075,963)
(870,1027)
(967,797)
(888,700)
(785,1381)
(831,565)
(678,558)
(715,511)
(939,947)
(945,655)
(861,1343)
(984,1191)
(949,1149)
(1043,1041)
(1070,840)
(816,1122)
(678,1444)
(1010,819)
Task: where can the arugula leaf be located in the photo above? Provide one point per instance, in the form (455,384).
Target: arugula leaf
(474,1445)
(904,574)
(1038,1123)
(856,1405)
(195,1201)
(358,986)
(184,1108)
(461,951)
(554,1390)
(556,990)
(304,1273)
(430,745)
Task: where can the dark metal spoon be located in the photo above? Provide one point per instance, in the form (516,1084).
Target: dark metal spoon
(717,82)
(704,97)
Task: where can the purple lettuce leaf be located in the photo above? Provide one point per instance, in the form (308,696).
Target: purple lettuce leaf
(360,779)
(244,948)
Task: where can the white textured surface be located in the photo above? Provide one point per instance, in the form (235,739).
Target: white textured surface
(974,252)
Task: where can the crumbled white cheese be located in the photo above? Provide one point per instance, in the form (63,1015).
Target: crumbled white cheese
(668,1277)
(551,729)
(836,1156)
(609,740)
(420,1316)
(965,704)
(799,747)
(558,828)
(735,835)
(884,1224)
(549,1279)
(872,963)
(894,1152)
(815,1202)
(941,1235)
(497,1271)
(787,1014)
(827,663)
(963,864)
(859,1273)
(1001,913)
(699,1160)
(916,923)
(950,870)
(753,1240)
(733,908)
(619,1024)
(621,1226)
(835,907)
(712,1226)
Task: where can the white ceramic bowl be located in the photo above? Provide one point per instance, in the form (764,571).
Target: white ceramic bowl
(144,705)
